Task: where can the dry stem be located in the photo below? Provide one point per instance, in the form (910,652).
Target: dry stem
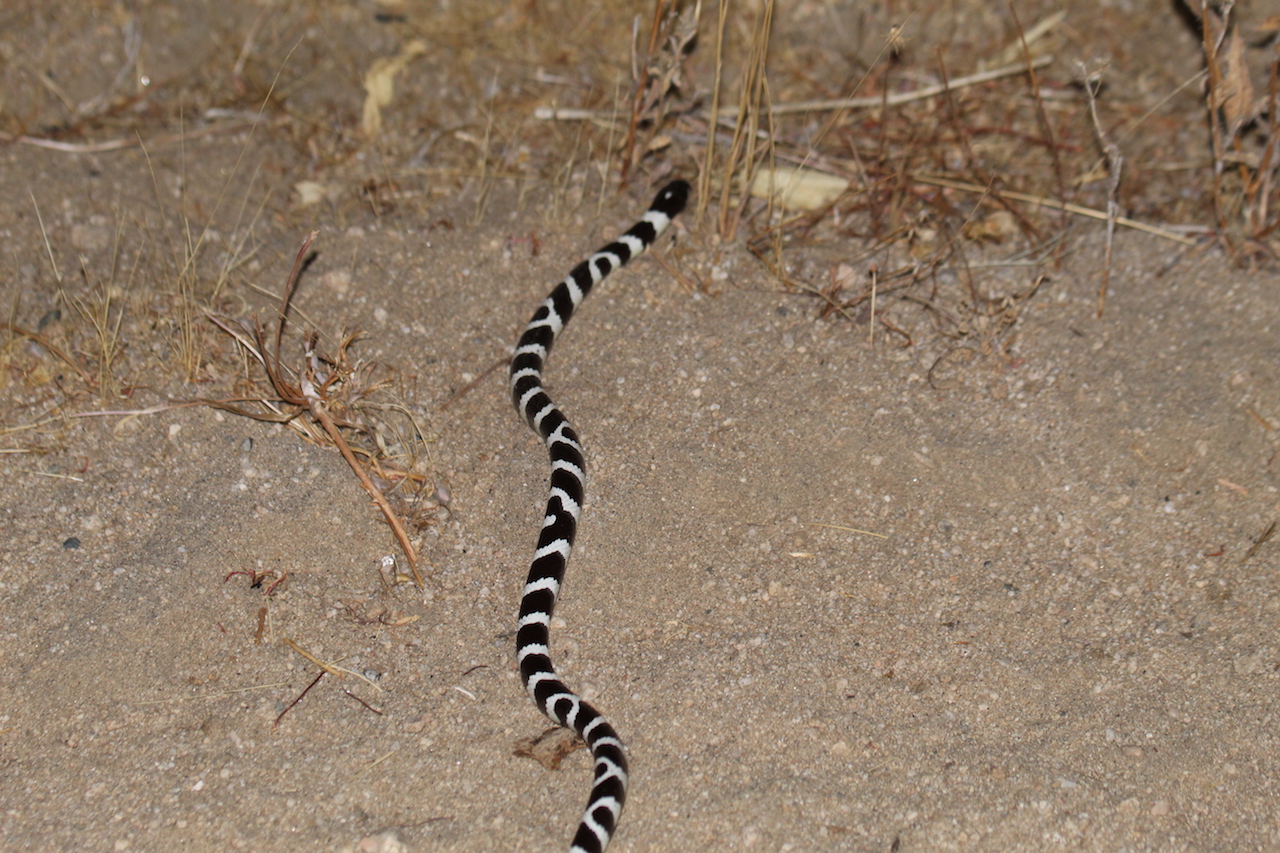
(311,393)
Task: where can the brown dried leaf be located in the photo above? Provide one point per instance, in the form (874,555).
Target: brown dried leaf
(1237,89)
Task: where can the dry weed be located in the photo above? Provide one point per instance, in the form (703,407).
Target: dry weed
(328,401)
(1244,130)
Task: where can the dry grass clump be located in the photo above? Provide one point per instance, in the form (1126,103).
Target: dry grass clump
(935,209)
(329,400)
(1244,129)
(907,177)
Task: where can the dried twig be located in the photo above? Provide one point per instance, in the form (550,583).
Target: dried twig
(864,103)
(753,100)
(310,393)
(362,702)
(1077,209)
(373,764)
(298,699)
(872,102)
(1259,542)
(320,411)
(1042,117)
(1115,162)
(119,144)
(467,389)
(331,668)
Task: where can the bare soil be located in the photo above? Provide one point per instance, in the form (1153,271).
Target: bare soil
(1000,588)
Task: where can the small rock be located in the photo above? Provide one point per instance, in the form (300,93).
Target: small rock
(419,723)
(339,281)
(71,543)
(386,842)
(310,192)
(90,237)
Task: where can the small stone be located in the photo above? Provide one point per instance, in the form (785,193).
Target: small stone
(419,723)
(339,281)
(90,237)
(310,192)
(71,543)
(386,842)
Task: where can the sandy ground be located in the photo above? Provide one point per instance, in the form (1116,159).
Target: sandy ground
(833,595)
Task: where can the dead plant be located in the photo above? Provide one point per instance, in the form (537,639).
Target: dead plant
(658,74)
(1246,207)
(325,400)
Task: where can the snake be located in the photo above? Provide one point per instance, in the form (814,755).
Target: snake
(560,522)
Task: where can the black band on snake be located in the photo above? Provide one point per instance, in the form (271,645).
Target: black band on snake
(568,471)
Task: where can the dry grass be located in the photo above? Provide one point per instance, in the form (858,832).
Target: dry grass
(911,157)
(1244,131)
(328,400)
(958,196)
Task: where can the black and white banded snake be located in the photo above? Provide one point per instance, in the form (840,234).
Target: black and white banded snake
(560,524)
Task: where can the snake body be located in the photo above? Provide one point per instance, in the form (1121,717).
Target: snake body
(560,523)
